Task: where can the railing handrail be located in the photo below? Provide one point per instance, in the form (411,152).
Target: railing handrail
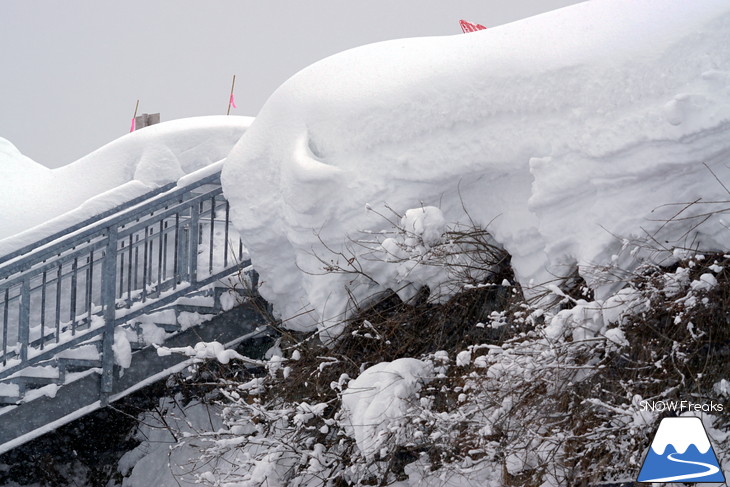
(118,276)
(121,239)
(29,255)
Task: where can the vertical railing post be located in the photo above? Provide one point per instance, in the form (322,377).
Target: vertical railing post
(254,276)
(181,245)
(108,294)
(193,237)
(24,319)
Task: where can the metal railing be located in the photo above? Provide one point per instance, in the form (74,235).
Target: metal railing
(82,283)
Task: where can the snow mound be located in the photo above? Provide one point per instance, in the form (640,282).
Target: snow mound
(123,169)
(375,404)
(559,132)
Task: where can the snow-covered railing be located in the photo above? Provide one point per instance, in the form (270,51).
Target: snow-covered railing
(82,283)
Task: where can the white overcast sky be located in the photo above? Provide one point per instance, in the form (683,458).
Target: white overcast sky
(71,71)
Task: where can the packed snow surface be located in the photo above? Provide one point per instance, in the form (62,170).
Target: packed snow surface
(121,170)
(563,133)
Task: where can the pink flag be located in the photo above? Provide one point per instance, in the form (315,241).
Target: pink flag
(232,102)
(469,27)
(133,125)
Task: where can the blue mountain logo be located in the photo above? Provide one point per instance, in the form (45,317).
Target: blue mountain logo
(681,452)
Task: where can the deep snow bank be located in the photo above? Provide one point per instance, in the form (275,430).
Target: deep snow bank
(137,162)
(560,132)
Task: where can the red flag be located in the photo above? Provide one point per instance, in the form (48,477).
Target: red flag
(133,125)
(469,27)
(232,102)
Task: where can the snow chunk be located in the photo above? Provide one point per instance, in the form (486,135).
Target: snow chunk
(463,358)
(705,283)
(122,349)
(675,282)
(616,335)
(425,224)
(722,388)
(626,302)
(216,350)
(374,404)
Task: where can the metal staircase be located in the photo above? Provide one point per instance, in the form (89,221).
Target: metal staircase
(77,305)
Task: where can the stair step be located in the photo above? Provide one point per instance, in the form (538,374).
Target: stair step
(74,364)
(194,308)
(48,390)
(205,300)
(9,400)
(34,382)
(37,376)
(169,327)
(9,393)
(88,351)
(189,319)
(164,316)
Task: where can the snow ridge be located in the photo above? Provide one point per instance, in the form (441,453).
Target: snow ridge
(558,133)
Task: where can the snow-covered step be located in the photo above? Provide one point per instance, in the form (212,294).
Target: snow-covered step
(189,308)
(88,351)
(173,321)
(80,358)
(165,316)
(208,301)
(205,303)
(38,376)
(9,393)
(165,319)
(168,327)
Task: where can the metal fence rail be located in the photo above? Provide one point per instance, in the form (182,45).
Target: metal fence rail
(104,273)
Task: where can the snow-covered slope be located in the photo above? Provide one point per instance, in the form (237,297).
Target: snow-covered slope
(127,167)
(561,132)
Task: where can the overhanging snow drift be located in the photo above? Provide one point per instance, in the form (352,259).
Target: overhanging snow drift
(562,133)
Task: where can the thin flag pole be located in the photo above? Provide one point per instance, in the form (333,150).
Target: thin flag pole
(134,117)
(230,98)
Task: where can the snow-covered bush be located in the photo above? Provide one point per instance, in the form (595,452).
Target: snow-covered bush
(483,387)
